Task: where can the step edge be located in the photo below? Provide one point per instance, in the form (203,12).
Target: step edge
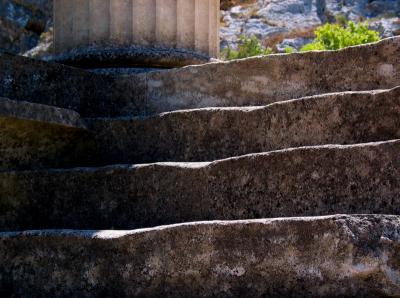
(244,109)
(114,234)
(74,119)
(199,165)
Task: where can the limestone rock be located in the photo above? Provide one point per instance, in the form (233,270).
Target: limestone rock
(22,22)
(276,20)
(293,43)
(291,13)
(387,27)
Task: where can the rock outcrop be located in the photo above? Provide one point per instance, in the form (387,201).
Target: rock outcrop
(290,23)
(22,22)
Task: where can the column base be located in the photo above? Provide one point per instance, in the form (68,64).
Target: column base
(95,57)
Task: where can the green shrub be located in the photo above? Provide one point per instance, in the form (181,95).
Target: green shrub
(335,36)
(289,50)
(248,47)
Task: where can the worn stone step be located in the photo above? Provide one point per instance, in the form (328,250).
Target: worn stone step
(54,84)
(215,133)
(252,81)
(263,80)
(306,181)
(39,136)
(333,256)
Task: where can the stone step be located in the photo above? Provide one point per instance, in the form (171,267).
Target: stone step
(305,181)
(39,136)
(216,133)
(53,84)
(263,80)
(252,81)
(333,256)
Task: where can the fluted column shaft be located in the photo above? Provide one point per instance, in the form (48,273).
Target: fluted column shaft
(187,24)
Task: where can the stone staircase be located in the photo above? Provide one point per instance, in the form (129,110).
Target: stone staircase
(269,177)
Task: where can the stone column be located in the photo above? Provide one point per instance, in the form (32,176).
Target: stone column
(179,24)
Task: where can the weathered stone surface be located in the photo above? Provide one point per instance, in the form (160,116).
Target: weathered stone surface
(299,257)
(253,81)
(37,136)
(41,113)
(215,133)
(53,84)
(296,182)
(335,256)
(263,80)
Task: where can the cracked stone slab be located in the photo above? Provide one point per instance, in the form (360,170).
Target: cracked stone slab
(39,136)
(333,256)
(215,133)
(306,181)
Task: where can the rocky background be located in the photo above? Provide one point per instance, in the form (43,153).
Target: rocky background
(26,25)
(282,23)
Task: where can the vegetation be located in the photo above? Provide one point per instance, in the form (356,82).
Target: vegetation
(336,36)
(248,47)
(328,37)
(289,50)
